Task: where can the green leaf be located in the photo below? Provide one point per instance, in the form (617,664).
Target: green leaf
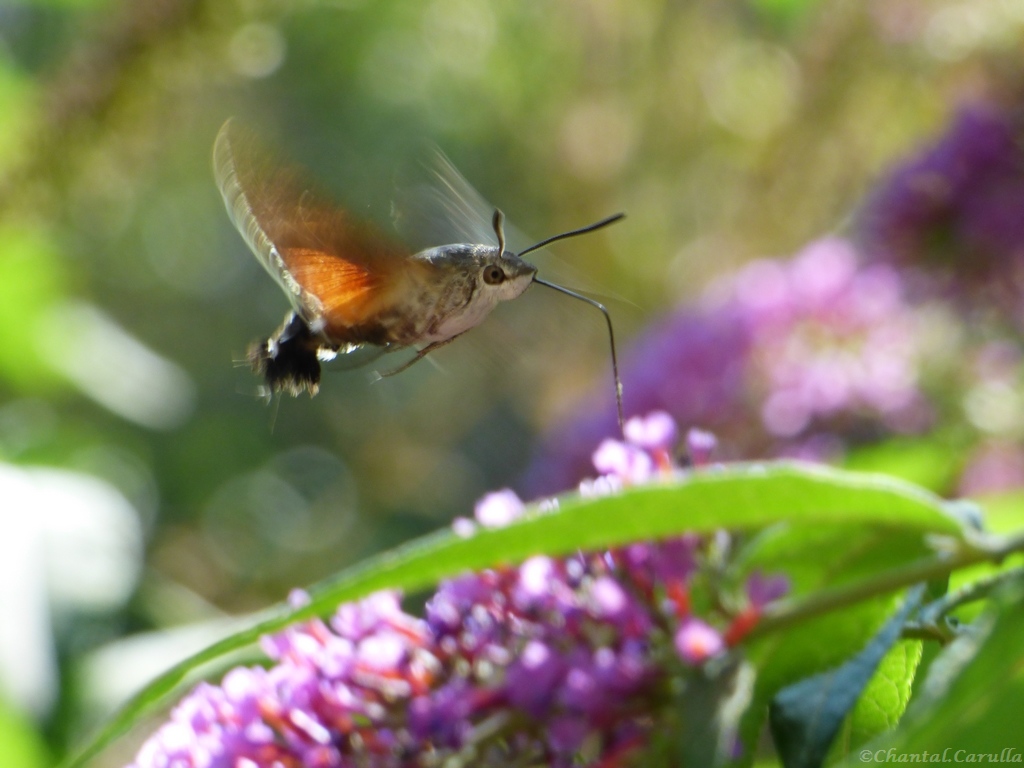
(927,462)
(20,745)
(815,557)
(885,697)
(973,697)
(806,716)
(737,497)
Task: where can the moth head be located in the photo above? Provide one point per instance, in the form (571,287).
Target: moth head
(506,275)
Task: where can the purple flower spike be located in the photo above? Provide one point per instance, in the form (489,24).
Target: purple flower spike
(955,213)
(840,341)
(959,199)
(821,344)
(692,365)
(559,661)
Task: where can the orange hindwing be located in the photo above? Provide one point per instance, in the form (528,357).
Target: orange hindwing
(334,269)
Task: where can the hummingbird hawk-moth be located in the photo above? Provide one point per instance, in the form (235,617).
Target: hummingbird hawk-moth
(350,286)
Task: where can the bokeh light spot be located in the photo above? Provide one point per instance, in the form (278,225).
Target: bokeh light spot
(752,89)
(257,50)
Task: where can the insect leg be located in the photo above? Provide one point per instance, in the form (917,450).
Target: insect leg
(420,355)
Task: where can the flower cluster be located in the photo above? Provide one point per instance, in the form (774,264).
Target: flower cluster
(559,661)
(952,217)
(914,322)
(780,357)
(691,365)
(955,209)
(832,338)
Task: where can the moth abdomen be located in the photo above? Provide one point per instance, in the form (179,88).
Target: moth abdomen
(288,360)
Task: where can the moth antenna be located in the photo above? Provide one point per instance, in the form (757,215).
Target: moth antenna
(498,222)
(608,319)
(572,233)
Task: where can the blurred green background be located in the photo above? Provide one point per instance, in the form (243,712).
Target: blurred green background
(145,489)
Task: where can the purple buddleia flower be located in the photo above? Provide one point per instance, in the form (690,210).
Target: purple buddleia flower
(498,509)
(845,343)
(700,445)
(952,217)
(697,641)
(655,432)
(559,661)
(690,365)
(787,357)
(834,339)
(762,590)
(625,461)
(955,212)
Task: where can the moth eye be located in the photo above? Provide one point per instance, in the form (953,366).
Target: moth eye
(493,274)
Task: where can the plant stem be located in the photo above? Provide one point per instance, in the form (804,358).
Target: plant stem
(789,613)
(969,593)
